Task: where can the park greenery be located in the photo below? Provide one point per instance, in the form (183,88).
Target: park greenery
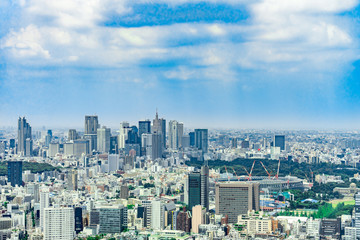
(325,210)
(301,170)
(34,167)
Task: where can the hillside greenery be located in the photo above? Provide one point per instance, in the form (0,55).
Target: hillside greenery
(32,166)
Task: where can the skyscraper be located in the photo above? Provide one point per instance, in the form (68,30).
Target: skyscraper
(279,141)
(159,126)
(236,198)
(156,145)
(157,215)
(78,220)
(113,219)
(44,203)
(60,223)
(103,139)
(15,173)
(193,189)
(201,139)
(176,131)
(24,138)
(123,134)
(91,126)
(144,127)
(204,174)
(357,214)
(72,135)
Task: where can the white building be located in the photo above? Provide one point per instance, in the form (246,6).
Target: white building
(157,215)
(123,134)
(103,139)
(60,224)
(44,203)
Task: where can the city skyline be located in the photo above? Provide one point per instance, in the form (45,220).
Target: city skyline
(243,64)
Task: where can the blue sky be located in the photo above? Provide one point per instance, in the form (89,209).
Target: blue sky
(217,64)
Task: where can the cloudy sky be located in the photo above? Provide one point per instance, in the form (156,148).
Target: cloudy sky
(232,63)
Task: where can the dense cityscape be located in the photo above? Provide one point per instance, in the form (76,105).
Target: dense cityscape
(160,180)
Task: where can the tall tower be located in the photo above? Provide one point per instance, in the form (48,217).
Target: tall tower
(279,141)
(91,126)
(204,174)
(144,127)
(15,173)
(24,138)
(159,126)
(103,139)
(357,215)
(201,139)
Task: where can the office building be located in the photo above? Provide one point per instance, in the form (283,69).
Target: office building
(14,173)
(114,145)
(124,192)
(157,215)
(48,138)
(159,127)
(198,217)
(103,139)
(90,134)
(357,214)
(279,141)
(72,135)
(33,189)
(78,220)
(201,139)
(60,223)
(330,228)
(133,137)
(113,219)
(183,221)
(54,148)
(146,144)
(176,131)
(123,134)
(192,139)
(24,138)
(144,127)
(234,199)
(73,180)
(44,203)
(204,193)
(245,144)
(197,188)
(156,146)
(91,124)
(233,142)
(81,147)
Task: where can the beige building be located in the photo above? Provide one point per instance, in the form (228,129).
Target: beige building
(255,223)
(198,217)
(351,190)
(237,198)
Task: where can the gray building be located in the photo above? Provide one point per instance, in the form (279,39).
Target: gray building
(112,219)
(103,139)
(159,127)
(156,146)
(201,139)
(279,141)
(24,138)
(234,199)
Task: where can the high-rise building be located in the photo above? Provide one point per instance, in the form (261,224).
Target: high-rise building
(60,223)
(204,196)
(91,124)
(103,139)
(33,189)
(133,137)
(157,215)
(72,135)
(48,138)
(14,173)
(156,145)
(78,220)
(197,188)
(114,144)
(279,141)
(183,221)
(24,138)
(123,134)
(124,192)
(159,127)
(198,217)
(233,199)
(192,139)
(201,139)
(73,180)
(357,214)
(90,134)
(234,142)
(146,144)
(176,131)
(144,127)
(113,219)
(44,203)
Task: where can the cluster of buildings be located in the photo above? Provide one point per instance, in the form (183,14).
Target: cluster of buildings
(133,183)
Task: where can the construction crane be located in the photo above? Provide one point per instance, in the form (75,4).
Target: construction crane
(278,169)
(247,173)
(235,174)
(252,168)
(269,174)
(312,176)
(227,173)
